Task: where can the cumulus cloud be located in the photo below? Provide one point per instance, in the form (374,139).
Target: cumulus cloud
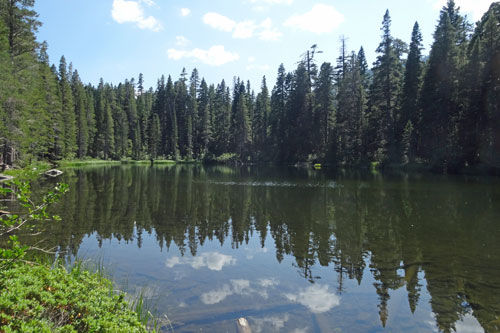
(214,261)
(125,11)
(317,298)
(264,324)
(185,11)
(214,56)
(243,30)
(272,2)
(474,8)
(182,41)
(219,22)
(320,19)
(239,287)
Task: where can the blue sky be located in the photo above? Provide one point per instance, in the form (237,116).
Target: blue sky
(118,39)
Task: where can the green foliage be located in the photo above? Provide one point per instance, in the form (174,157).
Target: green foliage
(347,115)
(30,214)
(37,298)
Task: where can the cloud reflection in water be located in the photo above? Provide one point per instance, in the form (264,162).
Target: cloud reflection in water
(239,287)
(214,261)
(317,298)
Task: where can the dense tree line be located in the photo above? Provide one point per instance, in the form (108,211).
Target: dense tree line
(441,111)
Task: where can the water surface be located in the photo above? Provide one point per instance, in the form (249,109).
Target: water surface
(292,250)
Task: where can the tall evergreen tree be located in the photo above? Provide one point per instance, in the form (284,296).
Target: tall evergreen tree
(154,135)
(260,119)
(324,118)
(173,132)
(439,97)
(82,131)
(240,122)
(277,115)
(411,87)
(384,95)
(68,113)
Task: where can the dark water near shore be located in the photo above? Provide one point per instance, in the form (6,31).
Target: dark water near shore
(292,250)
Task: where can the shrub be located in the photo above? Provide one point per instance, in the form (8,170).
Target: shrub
(38,298)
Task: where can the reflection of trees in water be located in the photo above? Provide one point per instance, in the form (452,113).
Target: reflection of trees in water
(443,228)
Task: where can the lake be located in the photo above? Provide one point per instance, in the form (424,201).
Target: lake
(290,249)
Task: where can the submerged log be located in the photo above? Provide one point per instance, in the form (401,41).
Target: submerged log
(243,326)
(53,173)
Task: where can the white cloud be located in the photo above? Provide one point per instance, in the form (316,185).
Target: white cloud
(148,2)
(265,283)
(272,2)
(182,41)
(474,8)
(185,11)
(468,324)
(219,22)
(316,297)
(239,287)
(263,324)
(251,59)
(320,19)
(260,8)
(214,261)
(243,30)
(215,56)
(125,11)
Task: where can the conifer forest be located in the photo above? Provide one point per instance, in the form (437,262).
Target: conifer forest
(440,110)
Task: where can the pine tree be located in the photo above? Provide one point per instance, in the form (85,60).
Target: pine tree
(68,113)
(488,31)
(260,122)
(300,116)
(409,143)
(184,121)
(193,125)
(82,131)
(240,122)
(115,98)
(53,117)
(90,117)
(204,123)
(277,115)
(411,88)
(129,107)
(222,119)
(173,132)
(384,94)
(154,136)
(324,110)
(108,124)
(438,102)
(349,116)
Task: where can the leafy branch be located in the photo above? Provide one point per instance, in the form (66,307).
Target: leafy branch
(32,212)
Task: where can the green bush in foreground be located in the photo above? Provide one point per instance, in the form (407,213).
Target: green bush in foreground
(41,299)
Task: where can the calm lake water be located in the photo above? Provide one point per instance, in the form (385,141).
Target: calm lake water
(291,250)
